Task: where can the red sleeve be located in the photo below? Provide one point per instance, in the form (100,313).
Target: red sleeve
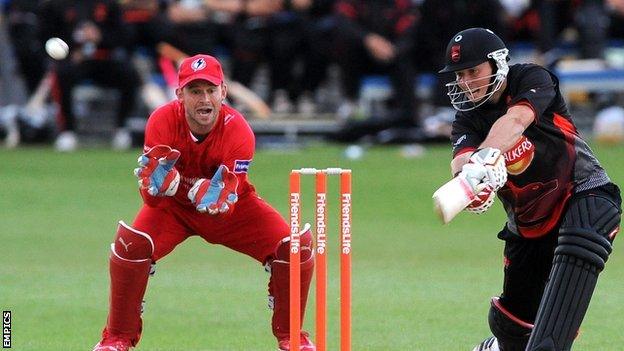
(240,154)
(157,132)
(158,129)
(346,8)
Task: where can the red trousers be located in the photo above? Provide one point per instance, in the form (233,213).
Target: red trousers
(252,227)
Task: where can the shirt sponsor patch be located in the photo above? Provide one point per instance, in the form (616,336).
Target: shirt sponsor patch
(241,166)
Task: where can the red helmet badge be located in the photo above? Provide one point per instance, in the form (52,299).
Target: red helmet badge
(455,53)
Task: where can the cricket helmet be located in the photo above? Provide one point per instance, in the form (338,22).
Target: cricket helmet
(469,48)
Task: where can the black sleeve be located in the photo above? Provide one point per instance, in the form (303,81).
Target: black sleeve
(348,23)
(464,135)
(405,30)
(49,15)
(114,33)
(536,87)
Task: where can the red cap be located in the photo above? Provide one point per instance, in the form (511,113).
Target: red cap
(203,67)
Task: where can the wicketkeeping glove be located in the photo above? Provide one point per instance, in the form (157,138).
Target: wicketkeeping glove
(156,173)
(215,195)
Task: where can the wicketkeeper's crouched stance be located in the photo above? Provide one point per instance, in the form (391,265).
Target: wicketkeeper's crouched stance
(193,180)
(514,136)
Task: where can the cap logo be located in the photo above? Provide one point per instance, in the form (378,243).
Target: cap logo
(198,64)
(455,53)
(458,38)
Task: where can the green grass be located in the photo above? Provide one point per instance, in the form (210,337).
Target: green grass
(416,284)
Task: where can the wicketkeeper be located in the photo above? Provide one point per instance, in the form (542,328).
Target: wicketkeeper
(513,136)
(193,180)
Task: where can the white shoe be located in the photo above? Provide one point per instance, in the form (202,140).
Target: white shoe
(281,102)
(66,142)
(122,140)
(8,122)
(12,139)
(489,344)
(306,105)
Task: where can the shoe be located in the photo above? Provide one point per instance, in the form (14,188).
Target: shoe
(305,343)
(9,125)
(281,102)
(306,105)
(122,140)
(350,110)
(113,344)
(66,142)
(489,344)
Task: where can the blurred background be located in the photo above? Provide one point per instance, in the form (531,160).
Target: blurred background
(324,83)
(355,72)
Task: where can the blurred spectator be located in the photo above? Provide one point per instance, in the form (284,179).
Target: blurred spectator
(456,15)
(318,25)
(202,26)
(616,11)
(23,31)
(96,35)
(588,17)
(146,24)
(147,28)
(267,32)
(377,36)
(523,20)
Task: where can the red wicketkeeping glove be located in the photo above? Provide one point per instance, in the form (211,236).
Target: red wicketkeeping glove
(157,174)
(215,195)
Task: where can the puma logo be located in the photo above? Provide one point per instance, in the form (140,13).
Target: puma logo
(121,240)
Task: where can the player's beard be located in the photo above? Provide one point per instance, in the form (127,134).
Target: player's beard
(203,118)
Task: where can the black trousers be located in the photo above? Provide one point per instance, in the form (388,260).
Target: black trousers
(355,62)
(272,40)
(528,262)
(106,73)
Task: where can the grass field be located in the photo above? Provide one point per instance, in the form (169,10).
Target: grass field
(416,284)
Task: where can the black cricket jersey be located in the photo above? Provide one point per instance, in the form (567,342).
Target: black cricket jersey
(549,162)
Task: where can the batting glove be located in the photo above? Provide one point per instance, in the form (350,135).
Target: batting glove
(476,176)
(215,195)
(494,163)
(156,173)
(483,201)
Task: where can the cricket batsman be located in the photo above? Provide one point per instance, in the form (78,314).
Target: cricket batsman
(514,137)
(193,180)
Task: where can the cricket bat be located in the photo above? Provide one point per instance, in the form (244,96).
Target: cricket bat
(452,198)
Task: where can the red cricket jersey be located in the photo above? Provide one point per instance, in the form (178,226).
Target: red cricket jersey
(231,142)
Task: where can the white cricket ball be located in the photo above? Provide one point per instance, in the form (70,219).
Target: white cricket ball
(354,152)
(57,48)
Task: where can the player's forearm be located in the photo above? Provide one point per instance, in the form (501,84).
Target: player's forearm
(506,131)
(458,162)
